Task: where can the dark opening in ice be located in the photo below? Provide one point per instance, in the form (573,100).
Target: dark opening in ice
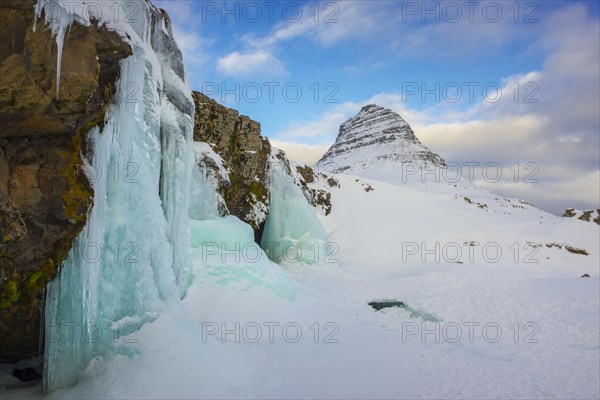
(425,316)
(26,374)
(380,305)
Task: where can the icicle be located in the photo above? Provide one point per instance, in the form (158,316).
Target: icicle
(60,38)
(41,326)
(58,24)
(38,11)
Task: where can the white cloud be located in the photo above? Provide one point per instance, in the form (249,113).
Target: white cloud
(332,23)
(577,190)
(325,128)
(390,29)
(193,46)
(305,153)
(335,21)
(260,62)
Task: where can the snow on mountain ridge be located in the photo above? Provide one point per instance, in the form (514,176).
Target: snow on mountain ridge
(376,136)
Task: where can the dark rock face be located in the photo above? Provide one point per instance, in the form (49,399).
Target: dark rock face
(236,138)
(247,156)
(44,193)
(373,137)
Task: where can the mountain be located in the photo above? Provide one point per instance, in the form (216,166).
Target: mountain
(453,254)
(379,144)
(485,292)
(376,137)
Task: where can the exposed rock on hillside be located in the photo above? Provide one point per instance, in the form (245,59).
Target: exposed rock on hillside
(588,215)
(314,184)
(236,138)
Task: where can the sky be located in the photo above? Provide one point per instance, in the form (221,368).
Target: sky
(512,88)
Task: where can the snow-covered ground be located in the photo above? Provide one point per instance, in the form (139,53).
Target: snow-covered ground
(549,346)
(520,325)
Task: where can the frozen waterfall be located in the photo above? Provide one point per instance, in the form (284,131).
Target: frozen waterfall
(293,234)
(134,249)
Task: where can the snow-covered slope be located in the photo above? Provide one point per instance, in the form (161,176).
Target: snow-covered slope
(535,320)
(377,220)
(517,287)
(494,307)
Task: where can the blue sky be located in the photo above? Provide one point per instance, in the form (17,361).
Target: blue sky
(429,61)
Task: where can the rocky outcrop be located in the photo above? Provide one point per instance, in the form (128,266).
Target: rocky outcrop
(237,158)
(44,193)
(314,184)
(237,140)
(376,136)
(587,215)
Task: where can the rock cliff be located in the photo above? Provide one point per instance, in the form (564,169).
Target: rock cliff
(44,194)
(237,139)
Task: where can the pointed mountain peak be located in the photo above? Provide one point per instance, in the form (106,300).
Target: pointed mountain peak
(376,137)
(370,107)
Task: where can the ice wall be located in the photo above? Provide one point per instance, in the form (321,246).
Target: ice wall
(134,251)
(204,197)
(293,234)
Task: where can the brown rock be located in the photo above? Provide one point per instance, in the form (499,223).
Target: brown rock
(44,194)
(236,138)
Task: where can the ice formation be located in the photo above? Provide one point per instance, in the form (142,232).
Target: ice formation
(206,199)
(293,233)
(226,257)
(59,18)
(134,250)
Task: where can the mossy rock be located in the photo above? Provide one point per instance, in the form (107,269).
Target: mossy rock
(575,250)
(237,139)
(45,137)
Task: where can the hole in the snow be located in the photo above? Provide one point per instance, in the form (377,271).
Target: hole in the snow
(380,305)
(26,374)
(425,316)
